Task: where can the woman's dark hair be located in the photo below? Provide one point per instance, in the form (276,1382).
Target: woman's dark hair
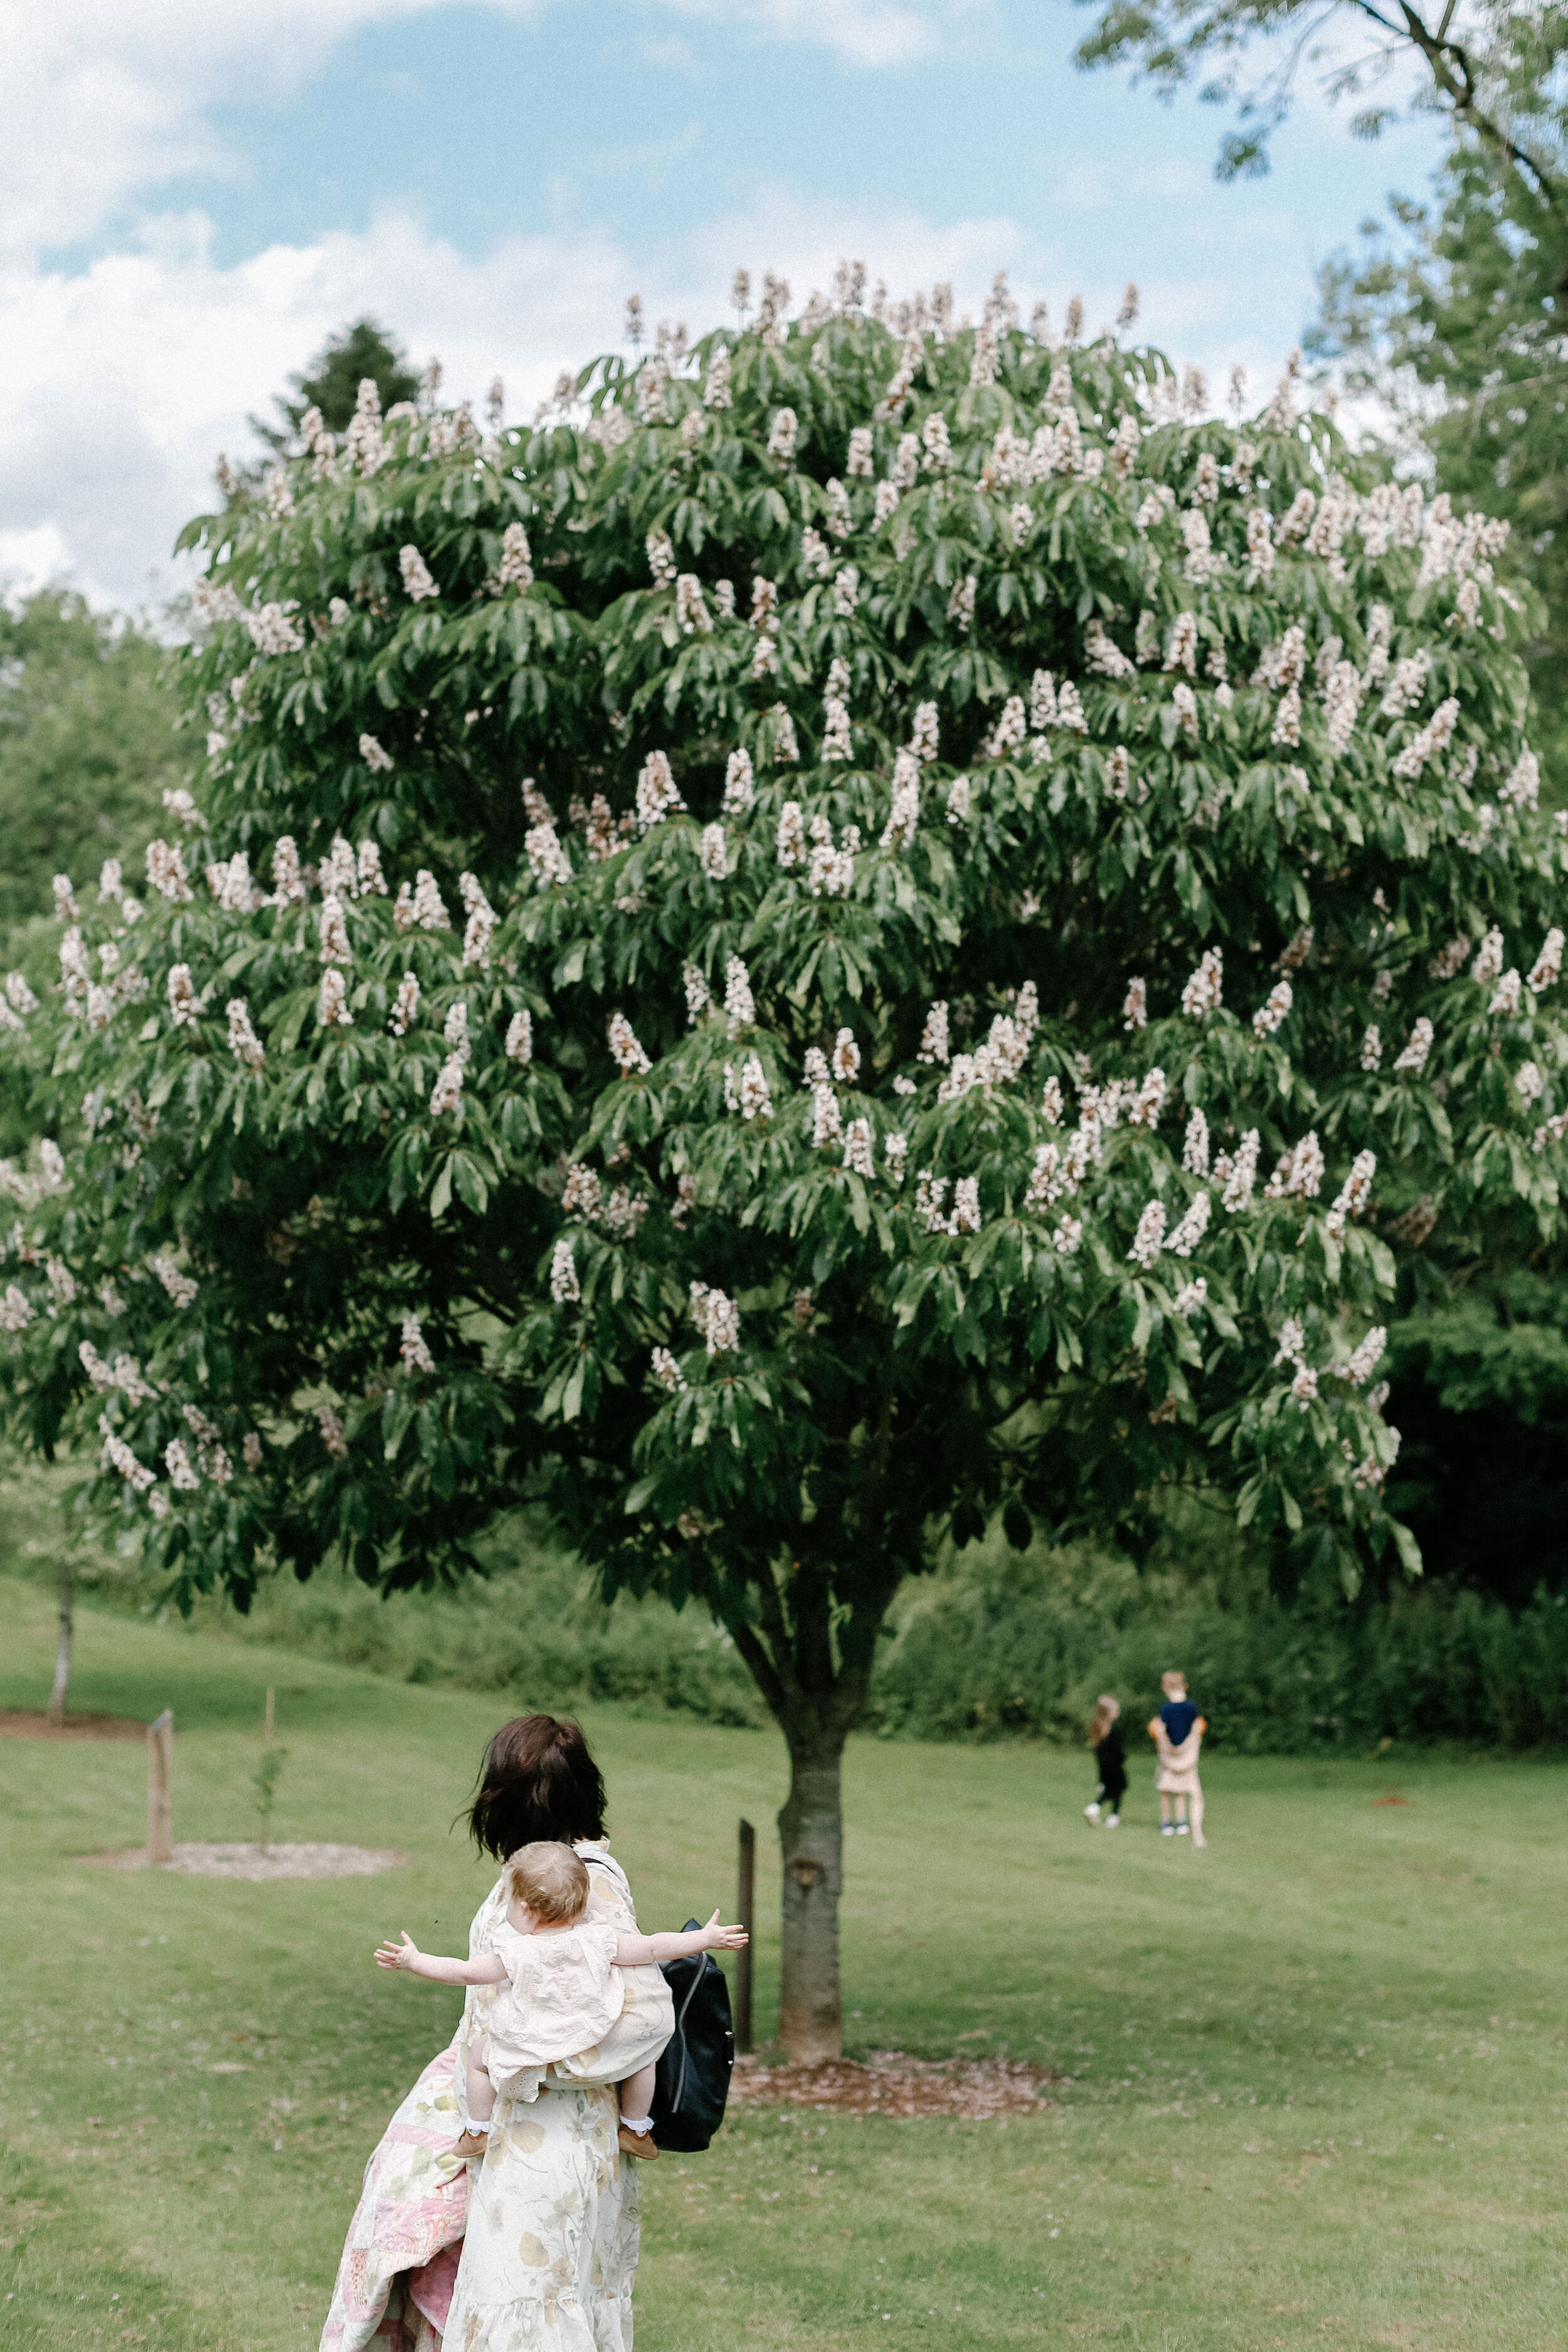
(538,1781)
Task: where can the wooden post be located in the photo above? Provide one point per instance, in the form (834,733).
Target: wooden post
(160,1772)
(746,1906)
(268,1735)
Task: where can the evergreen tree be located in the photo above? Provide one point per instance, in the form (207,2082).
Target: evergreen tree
(331,383)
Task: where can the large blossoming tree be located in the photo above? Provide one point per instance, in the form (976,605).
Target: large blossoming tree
(857,929)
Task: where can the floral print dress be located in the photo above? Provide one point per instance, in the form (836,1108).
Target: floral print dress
(535,2248)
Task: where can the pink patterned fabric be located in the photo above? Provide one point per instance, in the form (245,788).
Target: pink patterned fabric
(409,2220)
(430,2289)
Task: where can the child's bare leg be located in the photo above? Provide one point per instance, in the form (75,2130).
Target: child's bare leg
(636,2123)
(1198,1837)
(482,2101)
(1165,1811)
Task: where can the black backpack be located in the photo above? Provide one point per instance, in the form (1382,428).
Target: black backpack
(693,2073)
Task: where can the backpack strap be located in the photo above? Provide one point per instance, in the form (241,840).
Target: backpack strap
(680,2026)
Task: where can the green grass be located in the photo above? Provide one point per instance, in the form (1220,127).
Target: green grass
(1316,2081)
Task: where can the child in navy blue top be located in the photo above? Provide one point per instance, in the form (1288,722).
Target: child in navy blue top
(1178,1715)
(1177,1732)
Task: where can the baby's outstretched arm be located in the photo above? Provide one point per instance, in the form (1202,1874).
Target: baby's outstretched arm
(487,1970)
(640,1951)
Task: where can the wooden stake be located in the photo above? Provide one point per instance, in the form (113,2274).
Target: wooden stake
(744,1906)
(160,1775)
(267,1734)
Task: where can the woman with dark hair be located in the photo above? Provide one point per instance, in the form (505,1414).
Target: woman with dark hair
(551,2258)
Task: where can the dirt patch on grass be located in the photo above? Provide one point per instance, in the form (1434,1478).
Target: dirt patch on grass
(1392,1797)
(200,1860)
(26,1723)
(888,2083)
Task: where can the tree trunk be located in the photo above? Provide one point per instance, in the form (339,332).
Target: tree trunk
(811,1840)
(57,1712)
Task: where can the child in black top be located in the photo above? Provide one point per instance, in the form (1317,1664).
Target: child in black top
(1105,1739)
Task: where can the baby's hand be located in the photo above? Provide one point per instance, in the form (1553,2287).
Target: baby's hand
(724,1939)
(404,1955)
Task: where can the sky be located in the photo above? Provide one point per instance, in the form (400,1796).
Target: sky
(195,194)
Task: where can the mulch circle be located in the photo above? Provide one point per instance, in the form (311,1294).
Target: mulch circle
(200,1859)
(32,1723)
(888,2083)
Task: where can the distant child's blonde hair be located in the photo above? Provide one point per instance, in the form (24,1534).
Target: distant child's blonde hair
(1172,1683)
(1106,1710)
(549,1880)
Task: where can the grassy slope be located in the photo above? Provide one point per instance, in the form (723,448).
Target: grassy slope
(1318,2089)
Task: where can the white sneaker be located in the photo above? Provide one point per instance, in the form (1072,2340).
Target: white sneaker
(1167,1828)
(1092,1813)
(1114,1821)
(1181,1830)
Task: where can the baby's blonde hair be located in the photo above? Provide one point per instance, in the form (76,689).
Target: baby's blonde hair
(1173,1681)
(549,1880)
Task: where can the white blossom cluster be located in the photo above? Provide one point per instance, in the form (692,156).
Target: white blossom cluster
(1001,1058)
(931,1196)
(830,871)
(417,580)
(1272,1015)
(1353,1194)
(412,1347)
(748,1093)
(481,928)
(1413,1055)
(1238,1174)
(179,1287)
(629,1055)
(1190,1229)
(1150,1238)
(717,1319)
(1434,737)
(656,794)
(564,1288)
(243,1043)
(275,630)
(1298,1172)
(515,569)
(421,909)
(1544,973)
(1203,993)
(447,1094)
(166,872)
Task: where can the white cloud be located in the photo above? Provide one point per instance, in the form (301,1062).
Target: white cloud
(867,32)
(124,379)
(33,558)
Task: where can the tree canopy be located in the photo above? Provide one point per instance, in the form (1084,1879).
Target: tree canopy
(1452,318)
(859,929)
(1486,70)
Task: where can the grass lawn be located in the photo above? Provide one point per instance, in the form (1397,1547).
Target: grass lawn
(1316,2081)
